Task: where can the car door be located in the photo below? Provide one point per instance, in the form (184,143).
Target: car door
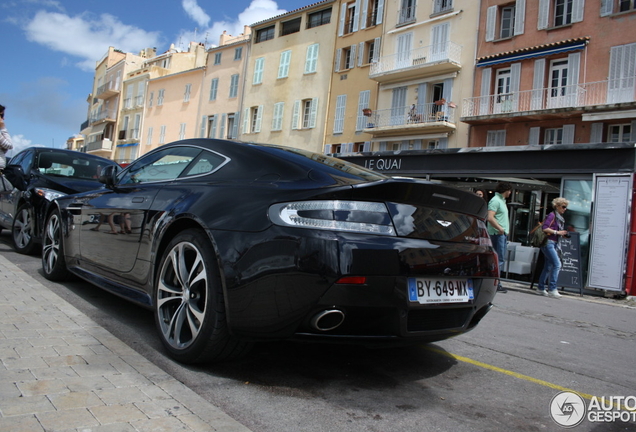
(9,195)
(115,220)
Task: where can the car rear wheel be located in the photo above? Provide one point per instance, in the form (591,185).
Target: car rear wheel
(189,307)
(23,230)
(53,262)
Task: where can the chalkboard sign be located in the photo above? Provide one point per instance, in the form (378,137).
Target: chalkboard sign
(570,275)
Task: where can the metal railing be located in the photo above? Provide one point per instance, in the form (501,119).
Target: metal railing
(102,115)
(411,115)
(109,86)
(104,144)
(586,94)
(447,51)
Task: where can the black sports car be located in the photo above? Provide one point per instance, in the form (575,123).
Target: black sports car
(231,242)
(36,176)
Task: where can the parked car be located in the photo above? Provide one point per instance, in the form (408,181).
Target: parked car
(230,242)
(34,177)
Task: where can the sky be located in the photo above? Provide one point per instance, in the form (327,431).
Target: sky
(50,50)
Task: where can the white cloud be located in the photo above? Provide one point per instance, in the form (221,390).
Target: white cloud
(195,12)
(86,37)
(19,144)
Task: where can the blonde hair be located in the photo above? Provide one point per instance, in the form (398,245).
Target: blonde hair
(559,201)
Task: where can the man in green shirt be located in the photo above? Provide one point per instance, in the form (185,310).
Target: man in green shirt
(499,225)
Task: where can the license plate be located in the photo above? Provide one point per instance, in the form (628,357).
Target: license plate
(437,291)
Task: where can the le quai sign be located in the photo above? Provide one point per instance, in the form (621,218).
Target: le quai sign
(383,164)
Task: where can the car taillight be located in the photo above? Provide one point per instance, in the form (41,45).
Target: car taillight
(334,215)
(484,238)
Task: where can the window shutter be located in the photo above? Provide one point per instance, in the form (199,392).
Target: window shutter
(578,7)
(343,14)
(363,102)
(484,100)
(366,147)
(259,119)
(376,50)
(491,23)
(572,89)
(246,117)
(313,113)
(607,7)
(202,132)
(327,149)
(338,57)
(515,79)
(363,17)
(520,17)
(383,146)
(353,49)
(537,84)
(213,130)
(237,119)
(447,93)
(222,126)
(341,104)
(356,16)
(533,137)
(360,53)
(596,133)
(422,91)
(568,134)
(295,114)
(380,12)
(544,14)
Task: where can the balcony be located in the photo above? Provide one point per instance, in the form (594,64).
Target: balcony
(103,115)
(549,102)
(428,60)
(107,90)
(97,147)
(414,119)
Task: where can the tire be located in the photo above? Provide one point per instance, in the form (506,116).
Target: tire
(188,303)
(53,262)
(23,230)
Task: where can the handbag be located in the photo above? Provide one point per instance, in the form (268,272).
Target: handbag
(538,237)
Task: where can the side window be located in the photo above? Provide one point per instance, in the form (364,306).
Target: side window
(163,165)
(26,162)
(17,160)
(205,163)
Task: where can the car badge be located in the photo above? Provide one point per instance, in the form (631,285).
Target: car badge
(444,223)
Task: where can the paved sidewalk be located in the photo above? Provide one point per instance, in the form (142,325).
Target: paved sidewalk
(60,371)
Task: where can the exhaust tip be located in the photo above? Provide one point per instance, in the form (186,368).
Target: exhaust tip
(327,320)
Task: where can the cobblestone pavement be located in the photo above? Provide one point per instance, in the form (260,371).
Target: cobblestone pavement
(60,371)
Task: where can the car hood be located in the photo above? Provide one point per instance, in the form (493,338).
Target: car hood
(65,184)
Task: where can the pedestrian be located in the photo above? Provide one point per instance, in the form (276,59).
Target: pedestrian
(5,140)
(481,193)
(554,227)
(499,225)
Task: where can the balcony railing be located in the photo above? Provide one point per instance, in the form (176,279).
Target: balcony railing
(103,115)
(104,144)
(417,58)
(587,94)
(107,90)
(411,116)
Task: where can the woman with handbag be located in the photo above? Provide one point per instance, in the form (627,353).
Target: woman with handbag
(554,227)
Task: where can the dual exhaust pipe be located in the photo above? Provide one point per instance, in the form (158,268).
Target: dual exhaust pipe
(327,320)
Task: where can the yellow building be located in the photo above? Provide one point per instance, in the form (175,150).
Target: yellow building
(289,76)
(353,93)
(425,69)
(222,90)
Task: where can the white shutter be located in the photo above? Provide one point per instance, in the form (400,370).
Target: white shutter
(484,100)
(520,16)
(237,119)
(202,130)
(533,137)
(366,147)
(341,105)
(246,116)
(356,16)
(353,55)
(283,66)
(313,112)
(360,53)
(338,57)
(544,14)
(259,119)
(538,79)
(515,81)
(607,7)
(222,126)
(378,20)
(343,15)
(363,17)
(363,102)
(327,149)
(376,50)
(568,134)
(574,61)
(295,114)
(491,23)
(578,7)
(214,124)
(596,133)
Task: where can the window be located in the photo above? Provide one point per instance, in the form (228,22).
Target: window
(277,120)
(212,126)
(238,53)
(234,84)
(374,9)
(265,34)
(406,14)
(214,88)
(620,133)
(186,93)
(505,21)
(562,12)
(496,138)
(160,97)
(311,59)
(440,6)
(283,66)
(304,114)
(319,18)
(163,165)
(556,13)
(347,57)
(364,101)
(182,131)
(289,27)
(217,58)
(341,104)
(232,131)
(553,136)
(252,119)
(259,64)
(622,70)
(137,125)
(150,97)
(626,5)
(149,138)
(162,135)
(348,19)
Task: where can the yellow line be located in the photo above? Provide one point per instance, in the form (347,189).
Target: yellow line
(516,375)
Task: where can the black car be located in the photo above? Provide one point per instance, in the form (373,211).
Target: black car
(230,243)
(36,176)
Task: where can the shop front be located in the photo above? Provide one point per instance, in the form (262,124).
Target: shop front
(597,179)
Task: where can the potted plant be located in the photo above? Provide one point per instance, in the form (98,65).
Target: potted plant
(367,112)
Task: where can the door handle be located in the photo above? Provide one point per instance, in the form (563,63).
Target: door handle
(138,199)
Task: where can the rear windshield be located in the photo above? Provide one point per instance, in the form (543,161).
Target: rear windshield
(70,165)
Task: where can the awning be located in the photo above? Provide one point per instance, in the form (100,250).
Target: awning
(409,137)
(128,145)
(534,52)
(97,129)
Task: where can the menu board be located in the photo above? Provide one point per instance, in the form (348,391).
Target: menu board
(570,274)
(612,203)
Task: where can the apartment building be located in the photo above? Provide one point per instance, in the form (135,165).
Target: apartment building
(554,72)
(223,85)
(353,93)
(104,100)
(423,71)
(288,78)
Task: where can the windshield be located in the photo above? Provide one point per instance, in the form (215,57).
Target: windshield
(70,165)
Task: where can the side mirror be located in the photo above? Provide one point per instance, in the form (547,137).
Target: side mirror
(16,177)
(109,175)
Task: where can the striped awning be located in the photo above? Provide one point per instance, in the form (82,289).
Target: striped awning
(533,52)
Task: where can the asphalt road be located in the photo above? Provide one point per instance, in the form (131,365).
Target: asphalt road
(500,377)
